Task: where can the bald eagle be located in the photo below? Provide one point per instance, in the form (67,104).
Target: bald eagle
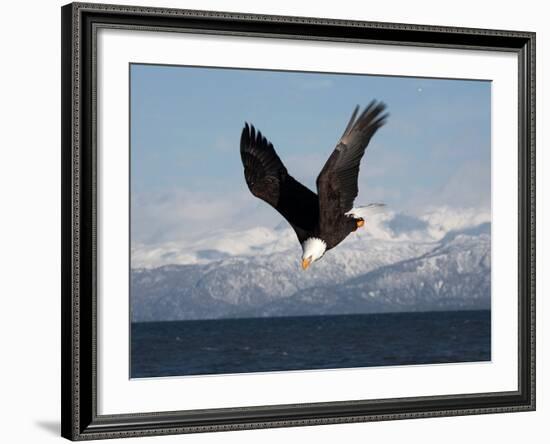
(323,220)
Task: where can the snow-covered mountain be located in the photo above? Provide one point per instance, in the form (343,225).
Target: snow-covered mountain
(400,263)
(455,275)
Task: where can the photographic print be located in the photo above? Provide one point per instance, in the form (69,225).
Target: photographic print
(285,220)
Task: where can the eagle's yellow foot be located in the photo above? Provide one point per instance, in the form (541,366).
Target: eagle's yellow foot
(360,223)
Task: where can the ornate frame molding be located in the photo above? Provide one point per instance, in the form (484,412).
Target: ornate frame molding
(80,22)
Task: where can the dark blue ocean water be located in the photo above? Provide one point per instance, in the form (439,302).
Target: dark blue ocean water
(309,342)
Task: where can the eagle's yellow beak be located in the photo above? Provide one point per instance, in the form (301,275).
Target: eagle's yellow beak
(305,263)
(360,223)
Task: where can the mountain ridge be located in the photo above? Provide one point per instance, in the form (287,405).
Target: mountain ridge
(363,275)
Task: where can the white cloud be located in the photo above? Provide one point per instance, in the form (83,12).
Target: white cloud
(468,187)
(180,214)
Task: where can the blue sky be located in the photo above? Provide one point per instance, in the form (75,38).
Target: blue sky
(186,124)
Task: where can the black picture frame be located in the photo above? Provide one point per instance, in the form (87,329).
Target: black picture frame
(79,209)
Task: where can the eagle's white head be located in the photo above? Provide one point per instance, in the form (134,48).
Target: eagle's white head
(313,250)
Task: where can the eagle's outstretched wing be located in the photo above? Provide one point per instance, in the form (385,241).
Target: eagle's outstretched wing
(268,179)
(337,181)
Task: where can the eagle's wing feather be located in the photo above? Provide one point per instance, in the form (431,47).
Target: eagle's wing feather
(268,179)
(337,181)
